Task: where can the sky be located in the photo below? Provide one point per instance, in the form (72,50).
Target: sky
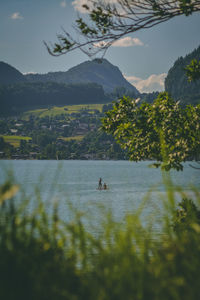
(144,57)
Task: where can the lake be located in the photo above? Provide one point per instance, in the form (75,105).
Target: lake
(76,182)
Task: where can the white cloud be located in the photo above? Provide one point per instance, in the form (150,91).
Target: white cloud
(100,44)
(124,42)
(78,5)
(16,16)
(128,42)
(152,83)
(29,73)
(63,4)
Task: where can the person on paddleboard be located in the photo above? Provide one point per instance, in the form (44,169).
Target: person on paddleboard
(100,183)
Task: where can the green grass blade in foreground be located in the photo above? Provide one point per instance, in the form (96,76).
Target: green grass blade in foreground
(43,257)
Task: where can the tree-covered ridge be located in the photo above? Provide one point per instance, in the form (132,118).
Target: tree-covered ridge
(177,83)
(18,97)
(83,84)
(97,71)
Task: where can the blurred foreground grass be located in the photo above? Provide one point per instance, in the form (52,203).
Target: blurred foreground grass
(44,257)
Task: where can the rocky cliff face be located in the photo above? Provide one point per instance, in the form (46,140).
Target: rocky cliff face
(97,71)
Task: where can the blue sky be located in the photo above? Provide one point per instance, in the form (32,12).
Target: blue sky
(144,58)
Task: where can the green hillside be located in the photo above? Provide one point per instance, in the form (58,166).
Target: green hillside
(59,110)
(20,97)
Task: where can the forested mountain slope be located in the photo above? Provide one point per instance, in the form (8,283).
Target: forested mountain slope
(83,84)
(99,71)
(176,82)
(10,75)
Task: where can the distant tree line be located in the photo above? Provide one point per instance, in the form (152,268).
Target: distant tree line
(20,96)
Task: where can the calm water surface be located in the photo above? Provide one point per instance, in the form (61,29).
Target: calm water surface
(77,181)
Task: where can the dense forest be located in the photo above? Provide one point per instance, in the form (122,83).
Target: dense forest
(177,84)
(17,97)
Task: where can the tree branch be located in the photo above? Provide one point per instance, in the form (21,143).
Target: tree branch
(111,20)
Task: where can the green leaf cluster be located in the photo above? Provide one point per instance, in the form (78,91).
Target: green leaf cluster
(161,131)
(84,28)
(193,70)
(102,19)
(187,7)
(65,45)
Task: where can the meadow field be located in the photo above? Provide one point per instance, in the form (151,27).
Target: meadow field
(15,139)
(66,110)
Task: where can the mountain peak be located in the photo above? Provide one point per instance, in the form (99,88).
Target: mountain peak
(99,71)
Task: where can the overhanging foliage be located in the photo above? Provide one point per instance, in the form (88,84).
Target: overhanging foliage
(161,131)
(108,21)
